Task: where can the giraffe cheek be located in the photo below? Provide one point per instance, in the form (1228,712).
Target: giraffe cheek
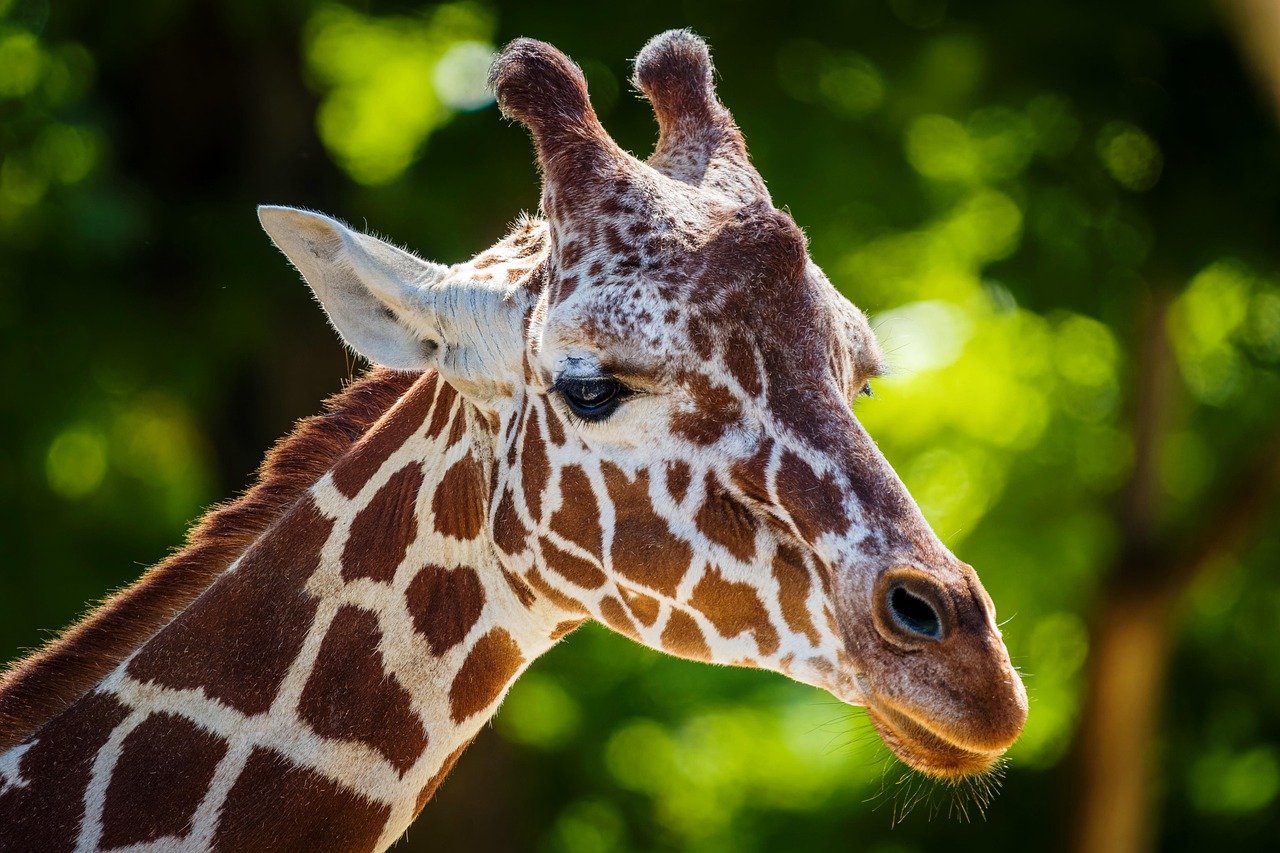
(679,476)
(578,518)
(743,363)
(644,551)
(794,585)
(509,532)
(535,469)
(683,637)
(715,412)
(816,504)
(727,522)
(648,556)
(735,608)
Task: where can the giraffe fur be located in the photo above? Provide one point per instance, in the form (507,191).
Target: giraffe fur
(308,670)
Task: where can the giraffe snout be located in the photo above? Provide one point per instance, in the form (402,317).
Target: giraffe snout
(940,687)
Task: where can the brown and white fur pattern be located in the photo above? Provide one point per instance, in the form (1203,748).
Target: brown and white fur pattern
(308,669)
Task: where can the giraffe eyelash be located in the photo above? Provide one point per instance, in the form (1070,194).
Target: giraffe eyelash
(591,398)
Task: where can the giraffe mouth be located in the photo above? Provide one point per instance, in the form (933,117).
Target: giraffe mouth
(925,749)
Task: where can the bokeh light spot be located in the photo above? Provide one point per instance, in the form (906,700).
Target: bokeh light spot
(21,62)
(391,81)
(461,76)
(67,154)
(938,147)
(1054,124)
(1131,156)
(539,713)
(76,462)
(1227,783)
(851,85)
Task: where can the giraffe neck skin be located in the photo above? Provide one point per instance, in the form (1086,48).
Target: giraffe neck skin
(323,686)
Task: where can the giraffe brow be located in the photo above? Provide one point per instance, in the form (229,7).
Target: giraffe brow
(634,372)
(865,350)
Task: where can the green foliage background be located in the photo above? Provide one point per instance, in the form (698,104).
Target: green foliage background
(1003,185)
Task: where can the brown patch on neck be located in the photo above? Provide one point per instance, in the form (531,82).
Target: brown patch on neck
(733,608)
(38,688)
(277,805)
(260,613)
(350,664)
(138,809)
(445,604)
(491,665)
(46,813)
(383,531)
(460,502)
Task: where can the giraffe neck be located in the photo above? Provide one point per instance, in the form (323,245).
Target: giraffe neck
(323,685)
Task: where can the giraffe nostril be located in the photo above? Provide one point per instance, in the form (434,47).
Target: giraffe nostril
(914,614)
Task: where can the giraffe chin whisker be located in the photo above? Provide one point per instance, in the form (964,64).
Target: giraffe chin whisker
(925,749)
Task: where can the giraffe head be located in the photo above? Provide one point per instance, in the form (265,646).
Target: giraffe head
(669,381)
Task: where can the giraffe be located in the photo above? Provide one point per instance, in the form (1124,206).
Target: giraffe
(635,408)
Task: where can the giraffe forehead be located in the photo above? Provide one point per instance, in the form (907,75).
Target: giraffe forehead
(672,325)
(677,278)
(667,232)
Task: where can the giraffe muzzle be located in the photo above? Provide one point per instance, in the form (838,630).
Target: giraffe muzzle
(938,686)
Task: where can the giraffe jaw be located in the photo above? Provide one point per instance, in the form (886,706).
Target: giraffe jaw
(913,741)
(924,748)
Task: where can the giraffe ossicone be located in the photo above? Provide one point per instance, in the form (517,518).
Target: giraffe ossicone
(635,408)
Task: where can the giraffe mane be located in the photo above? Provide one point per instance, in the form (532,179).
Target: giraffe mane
(35,689)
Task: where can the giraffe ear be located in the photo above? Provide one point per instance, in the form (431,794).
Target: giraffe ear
(379,298)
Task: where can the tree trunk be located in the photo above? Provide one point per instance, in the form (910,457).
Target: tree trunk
(1113,758)
(1119,721)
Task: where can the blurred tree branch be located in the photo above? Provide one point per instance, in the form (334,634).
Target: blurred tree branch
(1235,518)
(1137,600)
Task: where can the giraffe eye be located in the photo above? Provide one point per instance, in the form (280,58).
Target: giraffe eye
(591,398)
(866,391)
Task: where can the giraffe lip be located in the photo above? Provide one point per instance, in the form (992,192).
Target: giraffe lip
(923,748)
